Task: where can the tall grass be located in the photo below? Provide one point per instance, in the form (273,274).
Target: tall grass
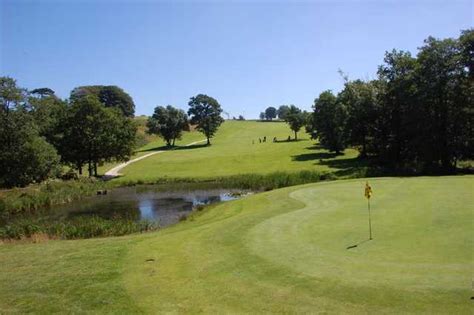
(49,193)
(75,228)
(242,181)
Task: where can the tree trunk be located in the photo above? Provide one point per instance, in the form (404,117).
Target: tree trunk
(90,168)
(95,169)
(174,141)
(79,168)
(208,141)
(296,136)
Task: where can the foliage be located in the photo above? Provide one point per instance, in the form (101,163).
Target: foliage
(418,116)
(108,95)
(270,113)
(48,112)
(205,113)
(283,111)
(25,156)
(94,134)
(169,123)
(48,193)
(296,119)
(329,119)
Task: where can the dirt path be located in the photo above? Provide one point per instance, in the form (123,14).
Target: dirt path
(114,172)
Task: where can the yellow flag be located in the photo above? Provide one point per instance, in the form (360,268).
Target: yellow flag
(368,190)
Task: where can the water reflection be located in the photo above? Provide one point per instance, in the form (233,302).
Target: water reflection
(140,203)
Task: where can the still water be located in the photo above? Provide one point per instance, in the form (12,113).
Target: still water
(142,203)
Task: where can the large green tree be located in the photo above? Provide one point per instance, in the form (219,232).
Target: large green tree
(282,111)
(296,119)
(360,99)
(270,113)
(25,156)
(48,112)
(94,134)
(329,119)
(205,113)
(169,123)
(109,95)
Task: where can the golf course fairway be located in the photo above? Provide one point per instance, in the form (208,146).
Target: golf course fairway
(282,251)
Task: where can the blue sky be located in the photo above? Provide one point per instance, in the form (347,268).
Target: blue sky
(248,55)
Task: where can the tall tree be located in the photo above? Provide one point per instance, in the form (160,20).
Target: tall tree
(360,99)
(205,113)
(270,113)
(109,95)
(25,156)
(169,123)
(282,111)
(396,125)
(262,116)
(296,119)
(329,119)
(48,111)
(94,134)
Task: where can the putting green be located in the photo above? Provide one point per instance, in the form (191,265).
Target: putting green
(283,251)
(286,251)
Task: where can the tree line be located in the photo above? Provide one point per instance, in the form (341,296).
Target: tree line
(39,132)
(292,115)
(417,115)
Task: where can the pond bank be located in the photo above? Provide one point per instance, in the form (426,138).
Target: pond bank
(122,211)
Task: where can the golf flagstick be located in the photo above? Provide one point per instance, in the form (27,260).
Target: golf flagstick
(368,194)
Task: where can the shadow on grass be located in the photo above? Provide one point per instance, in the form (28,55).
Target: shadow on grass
(287,141)
(358,244)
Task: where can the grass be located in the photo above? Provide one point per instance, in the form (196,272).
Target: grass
(236,150)
(48,193)
(283,251)
(75,228)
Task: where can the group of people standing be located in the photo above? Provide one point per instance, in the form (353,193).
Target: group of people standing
(264,139)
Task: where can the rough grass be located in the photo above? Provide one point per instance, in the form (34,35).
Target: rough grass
(283,251)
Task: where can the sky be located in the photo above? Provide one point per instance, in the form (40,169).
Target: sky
(247,54)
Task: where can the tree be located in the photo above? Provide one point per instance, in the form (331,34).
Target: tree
(296,119)
(25,156)
(205,113)
(270,113)
(42,92)
(262,116)
(241,117)
(94,134)
(109,96)
(442,94)
(329,118)
(397,122)
(282,111)
(48,111)
(168,122)
(360,99)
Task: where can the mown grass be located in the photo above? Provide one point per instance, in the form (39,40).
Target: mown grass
(283,251)
(236,150)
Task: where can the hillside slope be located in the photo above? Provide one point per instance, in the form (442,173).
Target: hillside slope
(236,149)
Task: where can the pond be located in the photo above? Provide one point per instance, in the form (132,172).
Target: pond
(142,203)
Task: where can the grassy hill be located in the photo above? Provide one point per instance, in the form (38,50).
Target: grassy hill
(236,150)
(279,251)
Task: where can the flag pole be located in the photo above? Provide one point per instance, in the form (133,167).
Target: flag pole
(370,222)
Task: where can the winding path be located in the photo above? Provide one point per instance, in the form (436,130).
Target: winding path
(114,172)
